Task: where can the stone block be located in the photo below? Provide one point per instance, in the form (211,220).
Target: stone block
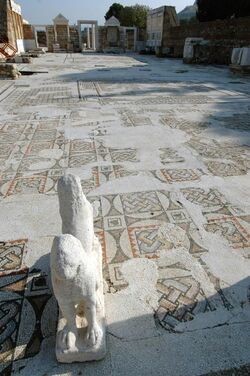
(236,54)
(9,70)
(245,56)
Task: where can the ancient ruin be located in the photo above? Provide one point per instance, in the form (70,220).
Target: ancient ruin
(124,194)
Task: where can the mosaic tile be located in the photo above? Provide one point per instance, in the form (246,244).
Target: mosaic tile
(79,160)
(192,127)
(210,199)
(226,169)
(11,255)
(191,99)
(5,149)
(180,298)
(48,135)
(34,164)
(81,146)
(147,223)
(145,240)
(236,230)
(178,175)
(168,155)
(121,172)
(12,287)
(133,225)
(122,155)
(134,119)
(36,146)
(140,204)
(27,185)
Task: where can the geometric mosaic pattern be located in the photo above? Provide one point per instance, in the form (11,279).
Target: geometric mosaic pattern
(132,225)
(11,254)
(169,155)
(191,127)
(234,229)
(136,220)
(206,198)
(235,158)
(180,299)
(22,314)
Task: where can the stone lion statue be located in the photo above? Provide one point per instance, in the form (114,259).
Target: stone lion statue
(76,269)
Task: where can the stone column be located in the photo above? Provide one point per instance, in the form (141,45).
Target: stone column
(96,37)
(68,32)
(135,38)
(93,37)
(47,36)
(35,36)
(88,38)
(80,35)
(55,32)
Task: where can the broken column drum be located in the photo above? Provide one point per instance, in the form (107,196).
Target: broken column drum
(76,269)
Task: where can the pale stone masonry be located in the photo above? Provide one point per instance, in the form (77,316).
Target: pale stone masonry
(11,24)
(159,21)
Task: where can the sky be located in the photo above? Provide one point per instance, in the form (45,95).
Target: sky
(43,11)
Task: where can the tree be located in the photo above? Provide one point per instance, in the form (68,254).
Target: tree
(114,10)
(210,10)
(140,14)
(130,15)
(127,16)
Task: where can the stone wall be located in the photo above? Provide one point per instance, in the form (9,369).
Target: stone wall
(42,38)
(223,35)
(51,37)
(130,40)
(28,32)
(114,38)
(102,37)
(66,42)
(3,20)
(74,38)
(62,36)
(11,24)
(159,21)
(110,38)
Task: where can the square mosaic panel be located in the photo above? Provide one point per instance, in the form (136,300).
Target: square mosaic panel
(80,146)
(122,155)
(5,149)
(27,185)
(47,135)
(226,169)
(11,255)
(28,314)
(168,155)
(180,297)
(36,146)
(236,230)
(12,288)
(178,175)
(211,201)
(79,160)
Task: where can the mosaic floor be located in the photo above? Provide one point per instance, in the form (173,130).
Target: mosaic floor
(165,157)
